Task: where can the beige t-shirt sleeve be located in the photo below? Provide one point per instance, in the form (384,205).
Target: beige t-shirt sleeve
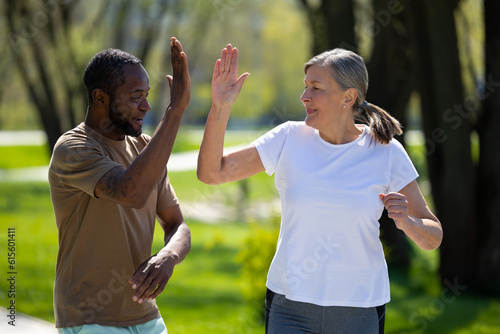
(80,163)
(166,194)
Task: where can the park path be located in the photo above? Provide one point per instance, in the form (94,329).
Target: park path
(178,162)
(24,324)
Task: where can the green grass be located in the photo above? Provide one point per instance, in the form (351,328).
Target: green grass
(24,156)
(205,293)
(28,209)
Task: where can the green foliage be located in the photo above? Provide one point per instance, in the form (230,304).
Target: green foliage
(255,257)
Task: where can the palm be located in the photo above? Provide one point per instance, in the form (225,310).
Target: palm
(225,82)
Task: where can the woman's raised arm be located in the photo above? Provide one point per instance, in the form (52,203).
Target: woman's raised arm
(213,166)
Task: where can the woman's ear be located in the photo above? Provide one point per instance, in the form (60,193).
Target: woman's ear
(99,97)
(351,95)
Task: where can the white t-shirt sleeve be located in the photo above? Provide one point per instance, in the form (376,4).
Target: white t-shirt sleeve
(402,170)
(270,146)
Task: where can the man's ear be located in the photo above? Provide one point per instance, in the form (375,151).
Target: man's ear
(100,98)
(351,95)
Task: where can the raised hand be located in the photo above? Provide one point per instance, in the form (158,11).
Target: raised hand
(180,83)
(226,85)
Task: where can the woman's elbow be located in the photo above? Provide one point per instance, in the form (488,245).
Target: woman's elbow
(434,242)
(207,178)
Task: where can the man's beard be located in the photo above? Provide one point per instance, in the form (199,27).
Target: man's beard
(121,122)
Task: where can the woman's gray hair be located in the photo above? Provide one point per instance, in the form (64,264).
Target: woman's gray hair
(348,69)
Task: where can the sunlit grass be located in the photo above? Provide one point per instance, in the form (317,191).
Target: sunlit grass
(23,156)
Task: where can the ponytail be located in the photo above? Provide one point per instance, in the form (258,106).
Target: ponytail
(384,127)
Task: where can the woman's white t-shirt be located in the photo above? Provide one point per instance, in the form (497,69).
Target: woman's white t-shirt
(329,252)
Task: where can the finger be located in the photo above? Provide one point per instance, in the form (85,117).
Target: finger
(158,290)
(227,63)
(396,206)
(172,46)
(239,83)
(173,56)
(234,61)
(170,80)
(138,276)
(222,60)
(177,44)
(184,59)
(390,196)
(216,69)
(144,289)
(395,209)
(178,57)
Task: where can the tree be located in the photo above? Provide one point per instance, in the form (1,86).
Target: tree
(488,178)
(392,78)
(50,61)
(447,134)
(332,24)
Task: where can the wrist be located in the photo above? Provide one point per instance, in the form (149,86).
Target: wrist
(405,223)
(220,111)
(168,254)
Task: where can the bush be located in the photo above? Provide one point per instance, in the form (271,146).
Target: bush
(255,257)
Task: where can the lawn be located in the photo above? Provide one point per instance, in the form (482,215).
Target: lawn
(205,294)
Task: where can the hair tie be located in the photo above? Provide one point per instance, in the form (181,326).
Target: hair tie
(364,104)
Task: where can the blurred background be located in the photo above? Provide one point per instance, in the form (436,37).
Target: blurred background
(434,65)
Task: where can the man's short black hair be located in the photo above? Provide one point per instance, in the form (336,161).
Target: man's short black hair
(105,71)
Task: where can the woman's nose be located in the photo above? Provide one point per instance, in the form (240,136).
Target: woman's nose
(305,96)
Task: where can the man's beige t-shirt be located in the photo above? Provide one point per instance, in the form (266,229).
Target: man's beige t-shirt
(101,243)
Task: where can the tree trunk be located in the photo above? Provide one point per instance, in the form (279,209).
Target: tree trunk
(332,25)
(488,195)
(391,82)
(447,134)
(39,87)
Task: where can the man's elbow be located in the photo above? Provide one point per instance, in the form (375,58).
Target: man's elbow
(134,201)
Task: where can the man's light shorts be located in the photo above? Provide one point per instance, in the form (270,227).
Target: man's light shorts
(156,326)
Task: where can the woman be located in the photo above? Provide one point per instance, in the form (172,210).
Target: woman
(334,178)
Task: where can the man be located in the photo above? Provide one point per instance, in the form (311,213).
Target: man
(108,183)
